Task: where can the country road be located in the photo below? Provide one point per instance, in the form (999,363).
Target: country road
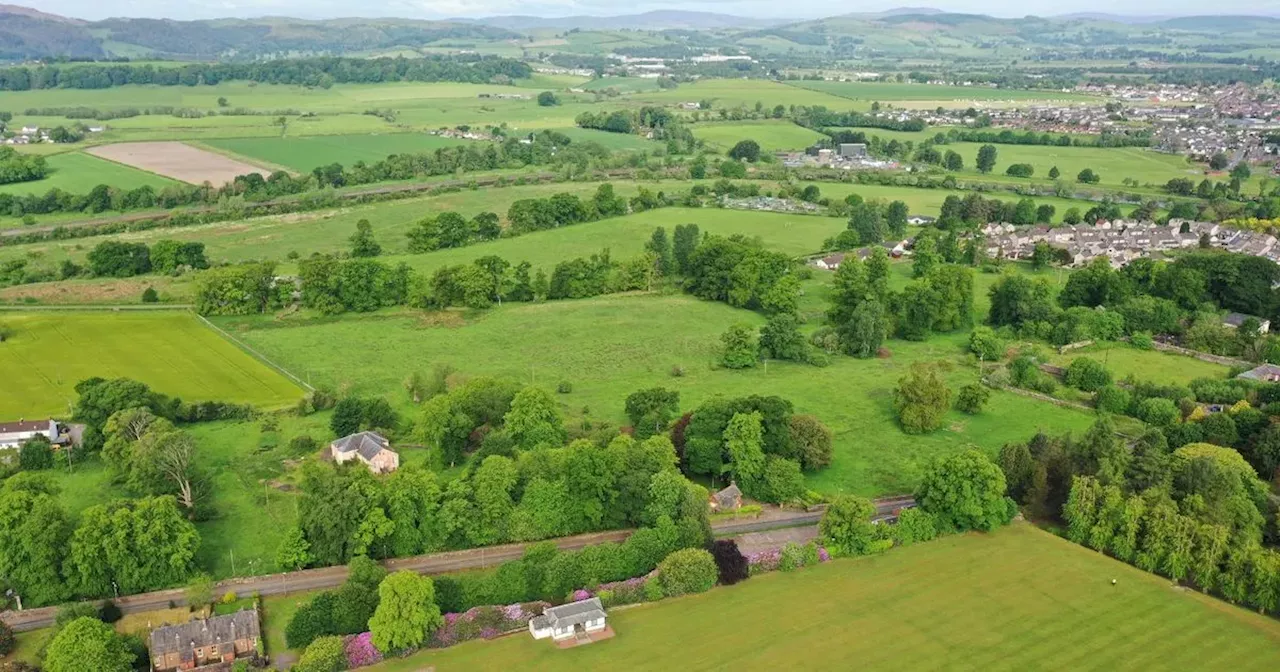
(433,563)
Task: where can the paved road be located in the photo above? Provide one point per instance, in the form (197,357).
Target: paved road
(434,563)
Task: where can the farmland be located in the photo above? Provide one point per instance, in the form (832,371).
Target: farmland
(610,346)
(888,92)
(78,172)
(302,154)
(1113,165)
(772,135)
(50,352)
(178,161)
(1018,598)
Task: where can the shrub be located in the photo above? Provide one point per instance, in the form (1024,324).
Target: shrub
(109,613)
(812,554)
(360,651)
(312,621)
(303,445)
(1087,374)
(792,557)
(731,564)
(7,641)
(653,590)
(690,570)
(921,399)
(812,441)
(72,611)
(1158,412)
(972,398)
(1112,399)
(564,387)
(325,654)
(1142,340)
(149,295)
(915,525)
(984,343)
(229,597)
(677,371)
(741,347)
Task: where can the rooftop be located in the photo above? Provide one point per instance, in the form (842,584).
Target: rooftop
(367,444)
(203,632)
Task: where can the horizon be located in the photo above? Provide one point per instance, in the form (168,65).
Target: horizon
(552,10)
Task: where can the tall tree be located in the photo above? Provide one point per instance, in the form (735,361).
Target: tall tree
(986,158)
(965,491)
(660,246)
(921,399)
(362,241)
(88,644)
(407,613)
(744,442)
(685,241)
(534,419)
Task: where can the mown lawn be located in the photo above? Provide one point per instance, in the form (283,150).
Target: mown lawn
(1016,599)
(49,352)
(610,346)
(1146,365)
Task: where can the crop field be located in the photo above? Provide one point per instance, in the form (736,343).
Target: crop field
(608,347)
(179,161)
(1146,365)
(274,237)
(889,92)
(78,172)
(302,154)
(1112,164)
(50,352)
(1016,599)
(772,135)
(745,92)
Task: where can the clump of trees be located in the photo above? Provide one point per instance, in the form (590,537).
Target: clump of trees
(118,259)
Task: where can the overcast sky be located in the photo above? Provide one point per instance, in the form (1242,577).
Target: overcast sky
(438,9)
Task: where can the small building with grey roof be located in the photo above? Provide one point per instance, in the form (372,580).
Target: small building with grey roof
(370,448)
(568,620)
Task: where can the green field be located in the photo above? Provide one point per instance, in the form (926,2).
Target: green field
(1016,599)
(49,352)
(727,93)
(610,346)
(889,92)
(1112,164)
(77,172)
(1146,365)
(772,135)
(301,154)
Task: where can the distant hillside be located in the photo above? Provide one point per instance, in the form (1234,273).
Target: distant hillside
(26,33)
(656,20)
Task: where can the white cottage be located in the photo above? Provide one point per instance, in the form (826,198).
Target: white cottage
(568,620)
(14,434)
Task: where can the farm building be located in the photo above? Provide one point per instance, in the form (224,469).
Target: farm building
(13,434)
(1236,320)
(205,642)
(370,448)
(569,620)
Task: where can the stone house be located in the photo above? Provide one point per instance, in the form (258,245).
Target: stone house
(205,642)
(370,448)
(729,499)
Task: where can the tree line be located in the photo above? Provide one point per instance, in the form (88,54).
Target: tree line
(16,167)
(313,72)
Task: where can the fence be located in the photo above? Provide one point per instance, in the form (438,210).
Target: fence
(255,354)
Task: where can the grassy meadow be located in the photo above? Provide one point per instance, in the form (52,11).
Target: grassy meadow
(1015,599)
(1112,164)
(78,172)
(1147,365)
(49,352)
(887,92)
(773,136)
(301,154)
(608,347)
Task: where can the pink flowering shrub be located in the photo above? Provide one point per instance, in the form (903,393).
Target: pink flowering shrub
(361,651)
(764,561)
(580,594)
(618,593)
(484,623)
(823,555)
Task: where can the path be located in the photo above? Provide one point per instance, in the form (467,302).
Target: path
(434,563)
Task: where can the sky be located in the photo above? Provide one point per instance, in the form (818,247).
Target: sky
(440,9)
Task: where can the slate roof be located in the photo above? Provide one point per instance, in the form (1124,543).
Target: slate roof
(728,496)
(220,630)
(1236,319)
(367,444)
(1267,372)
(24,426)
(569,615)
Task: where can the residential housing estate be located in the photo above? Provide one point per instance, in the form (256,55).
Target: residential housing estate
(1122,241)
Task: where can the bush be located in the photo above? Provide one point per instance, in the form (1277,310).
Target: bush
(312,620)
(1158,412)
(972,398)
(984,343)
(564,387)
(8,642)
(1112,399)
(229,597)
(731,564)
(690,570)
(1087,374)
(653,590)
(1142,340)
(109,613)
(914,525)
(783,480)
(149,295)
(792,557)
(303,445)
(326,654)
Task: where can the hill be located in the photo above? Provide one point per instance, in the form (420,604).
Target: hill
(655,20)
(29,34)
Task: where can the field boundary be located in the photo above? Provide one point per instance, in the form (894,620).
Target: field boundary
(254,353)
(241,157)
(94,307)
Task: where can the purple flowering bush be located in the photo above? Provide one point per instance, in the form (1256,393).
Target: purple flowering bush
(484,623)
(579,595)
(618,593)
(361,651)
(799,556)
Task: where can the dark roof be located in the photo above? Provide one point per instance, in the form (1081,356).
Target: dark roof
(569,615)
(367,444)
(729,495)
(24,426)
(217,630)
